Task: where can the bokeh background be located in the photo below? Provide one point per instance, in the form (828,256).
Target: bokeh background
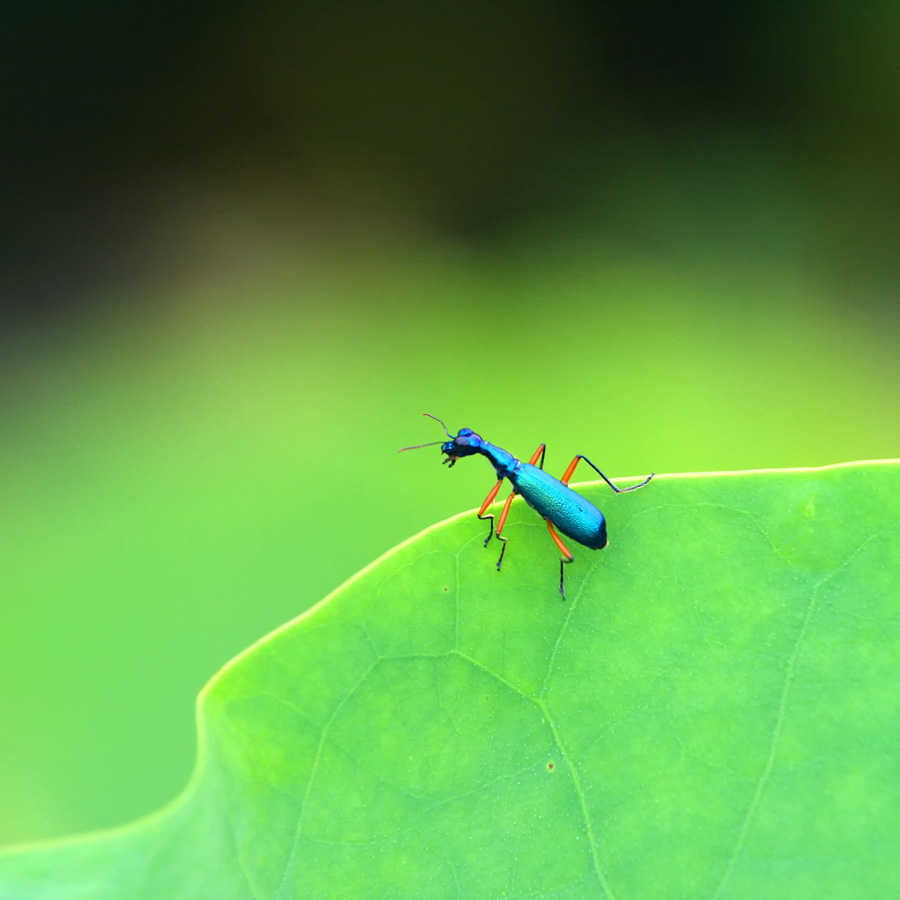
(246,244)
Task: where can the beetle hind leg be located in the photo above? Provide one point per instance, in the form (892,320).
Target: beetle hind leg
(566,556)
(571,471)
(562,587)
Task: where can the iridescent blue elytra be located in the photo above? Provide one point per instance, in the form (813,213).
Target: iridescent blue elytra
(553,499)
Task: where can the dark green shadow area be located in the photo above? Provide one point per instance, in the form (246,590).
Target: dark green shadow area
(713,713)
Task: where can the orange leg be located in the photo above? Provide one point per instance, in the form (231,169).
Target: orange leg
(490,517)
(538,455)
(571,470)
(567,557)
(502,521)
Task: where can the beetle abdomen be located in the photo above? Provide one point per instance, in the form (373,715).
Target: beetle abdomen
(574,516)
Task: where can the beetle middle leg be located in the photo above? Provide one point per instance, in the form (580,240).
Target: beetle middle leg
(537,458)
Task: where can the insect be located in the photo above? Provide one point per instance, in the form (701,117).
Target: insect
(559,506)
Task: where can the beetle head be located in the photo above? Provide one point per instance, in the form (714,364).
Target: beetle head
(466,443)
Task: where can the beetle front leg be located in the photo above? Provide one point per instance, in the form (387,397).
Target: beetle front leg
(503,514)
(490,517)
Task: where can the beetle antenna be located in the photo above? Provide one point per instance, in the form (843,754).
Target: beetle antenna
(430,443)
(419,446)
(436,419)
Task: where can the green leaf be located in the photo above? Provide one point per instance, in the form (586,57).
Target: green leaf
(713,713)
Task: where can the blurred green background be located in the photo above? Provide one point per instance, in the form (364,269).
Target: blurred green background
(246,245)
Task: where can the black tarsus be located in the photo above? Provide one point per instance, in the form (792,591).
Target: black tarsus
(618,490)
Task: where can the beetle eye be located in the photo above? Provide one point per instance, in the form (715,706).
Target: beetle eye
(461,441)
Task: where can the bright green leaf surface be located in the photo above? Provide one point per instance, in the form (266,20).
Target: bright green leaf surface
(715,712)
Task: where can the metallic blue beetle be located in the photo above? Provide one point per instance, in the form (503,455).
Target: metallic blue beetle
(554,500)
